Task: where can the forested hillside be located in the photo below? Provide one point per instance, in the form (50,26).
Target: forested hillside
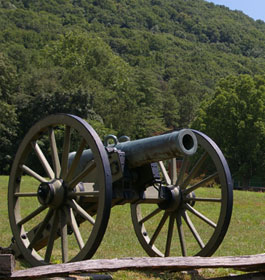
(133,67)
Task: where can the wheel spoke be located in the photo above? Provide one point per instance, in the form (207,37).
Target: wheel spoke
(183,170)
(194,170)
(75,228)
(164,172)
(91,194)
(55,156)
(32,215)
(43,160)
(158,229)
(201,183)
(91,165)
(203,199)
(173,171)
(181,235)
(52,236)
(41,227)
(64,237)
(33,173)
(193,229)
(169,234)
(75,161)
(66,149)
(149,216)
(72,203)
(200,215)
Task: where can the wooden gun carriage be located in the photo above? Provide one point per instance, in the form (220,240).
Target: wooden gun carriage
(170,181)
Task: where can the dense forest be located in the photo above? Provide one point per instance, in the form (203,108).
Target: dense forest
(129,67)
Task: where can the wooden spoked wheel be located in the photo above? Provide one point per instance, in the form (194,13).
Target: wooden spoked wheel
(194,218)
(59,209)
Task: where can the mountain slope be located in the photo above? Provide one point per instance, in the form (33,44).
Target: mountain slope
(150,61)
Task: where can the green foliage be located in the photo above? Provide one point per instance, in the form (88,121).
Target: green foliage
(235,118)
(8,116)
(8,133)
(139,67)
(7,79)
(87,61)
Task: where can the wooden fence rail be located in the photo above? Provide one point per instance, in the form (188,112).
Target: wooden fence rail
(245,263)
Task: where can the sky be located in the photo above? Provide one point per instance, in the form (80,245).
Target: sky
(252,8)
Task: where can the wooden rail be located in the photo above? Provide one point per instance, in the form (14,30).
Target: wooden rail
(245,263)
(7,264)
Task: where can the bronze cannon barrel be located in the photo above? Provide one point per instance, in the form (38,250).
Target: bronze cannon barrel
(148,150)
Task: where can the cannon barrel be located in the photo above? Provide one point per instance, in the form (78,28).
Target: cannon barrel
(157,148)
(151,149)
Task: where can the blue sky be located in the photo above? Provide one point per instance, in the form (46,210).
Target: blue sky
(252,8)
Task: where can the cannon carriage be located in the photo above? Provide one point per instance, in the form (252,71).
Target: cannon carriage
(169,180)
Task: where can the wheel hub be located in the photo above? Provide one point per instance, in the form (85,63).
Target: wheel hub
(173,198)
(51,193)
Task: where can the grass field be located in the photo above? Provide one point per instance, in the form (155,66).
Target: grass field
(245,235)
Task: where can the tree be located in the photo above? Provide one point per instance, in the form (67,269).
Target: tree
(235,119)
(186,93)
(8,117)
(114,87)
(8,129)
(8,78)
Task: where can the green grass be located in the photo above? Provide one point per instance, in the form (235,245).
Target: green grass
(245,235)
(5,232)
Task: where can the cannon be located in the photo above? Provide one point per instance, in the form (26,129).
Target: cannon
(65,180)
